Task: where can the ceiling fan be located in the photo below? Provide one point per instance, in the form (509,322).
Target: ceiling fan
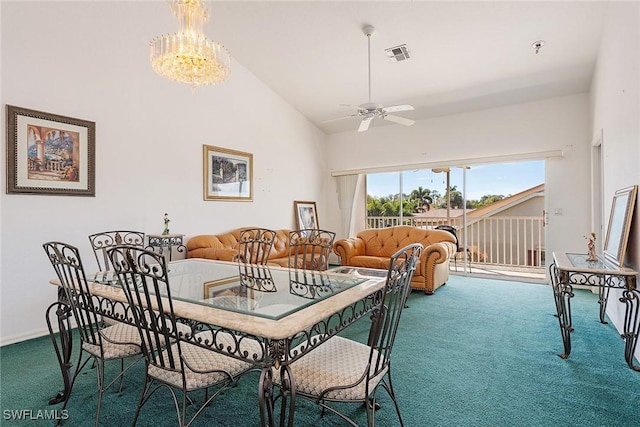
(371,110)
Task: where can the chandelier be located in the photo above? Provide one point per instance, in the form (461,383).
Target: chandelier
(188,56)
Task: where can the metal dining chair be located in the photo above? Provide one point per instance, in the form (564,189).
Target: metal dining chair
(98,341)
(309,249)
(460,251)
(101,242)
(181,367)
(343,370)
(254,245)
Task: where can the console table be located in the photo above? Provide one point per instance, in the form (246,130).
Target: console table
(570,269)
(161,242)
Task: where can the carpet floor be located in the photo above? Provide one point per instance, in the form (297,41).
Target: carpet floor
(478,352)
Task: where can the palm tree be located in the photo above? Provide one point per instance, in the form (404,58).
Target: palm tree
(423,196)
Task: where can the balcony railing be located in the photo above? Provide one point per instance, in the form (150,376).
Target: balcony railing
(510,241)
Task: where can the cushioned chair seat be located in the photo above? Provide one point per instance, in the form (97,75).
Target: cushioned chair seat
(118,341)
(200,359)
(348,359)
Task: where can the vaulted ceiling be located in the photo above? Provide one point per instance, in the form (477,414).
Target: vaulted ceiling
(463,55)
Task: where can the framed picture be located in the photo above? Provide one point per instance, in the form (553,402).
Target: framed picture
(229,294)
(306,215)
(49,154)
(216,287)
(228,174)
(615,244)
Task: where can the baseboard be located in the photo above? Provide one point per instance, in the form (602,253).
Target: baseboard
(19,338)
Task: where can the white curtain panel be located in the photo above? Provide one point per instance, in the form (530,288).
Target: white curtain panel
(348,187)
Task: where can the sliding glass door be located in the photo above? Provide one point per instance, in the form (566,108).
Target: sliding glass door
(497,210)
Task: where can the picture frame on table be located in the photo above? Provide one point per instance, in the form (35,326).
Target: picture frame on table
(615,244)
(216,287)
(306,215)
(49,154)
(230,294)
(228,174)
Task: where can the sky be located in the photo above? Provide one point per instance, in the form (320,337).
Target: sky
(499,178)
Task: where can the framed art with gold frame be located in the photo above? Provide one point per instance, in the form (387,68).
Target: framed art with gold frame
(228,174)
(49,154)
(615,244)
(214,287)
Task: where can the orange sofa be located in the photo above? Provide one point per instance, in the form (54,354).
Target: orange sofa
(373,249)
(224,247)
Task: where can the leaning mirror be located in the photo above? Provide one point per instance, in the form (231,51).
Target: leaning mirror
(615,244)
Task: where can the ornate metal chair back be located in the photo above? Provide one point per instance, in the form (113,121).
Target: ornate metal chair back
(254,245)
(67,264)
(386,318)
(309,249)
(143,277)
(102,242)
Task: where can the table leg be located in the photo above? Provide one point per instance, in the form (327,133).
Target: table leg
(630,298)
(563,292)
(63,350)
(265,397)
(288,389)
(603,295)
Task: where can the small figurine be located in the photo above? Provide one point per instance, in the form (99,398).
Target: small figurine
(591,245)
(166,225)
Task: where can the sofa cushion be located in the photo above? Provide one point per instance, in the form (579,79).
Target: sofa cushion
(225,246)
(367,261)
(387,241)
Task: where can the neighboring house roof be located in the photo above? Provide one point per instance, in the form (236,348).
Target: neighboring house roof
(440,213)
(507,202)
(488,210)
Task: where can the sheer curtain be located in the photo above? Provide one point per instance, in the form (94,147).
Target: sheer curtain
(349,188)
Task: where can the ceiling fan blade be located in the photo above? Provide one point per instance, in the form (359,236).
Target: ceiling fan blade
(396,108)
(397,119)
(364,124)
(355,107)
(339,118)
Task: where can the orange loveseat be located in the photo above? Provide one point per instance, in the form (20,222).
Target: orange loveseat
(224,247)
(373,249)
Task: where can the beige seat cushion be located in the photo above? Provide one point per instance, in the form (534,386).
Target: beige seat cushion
(337,362)
(119,340)
(204,360)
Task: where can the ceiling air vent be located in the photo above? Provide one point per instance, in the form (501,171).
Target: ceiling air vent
(398,53)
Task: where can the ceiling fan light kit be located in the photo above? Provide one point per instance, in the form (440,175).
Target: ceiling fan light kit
(372,110)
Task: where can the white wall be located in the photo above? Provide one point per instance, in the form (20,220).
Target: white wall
(615,104)
(552,124)
(89,60)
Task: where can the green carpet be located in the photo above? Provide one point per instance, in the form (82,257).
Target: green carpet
(477,353)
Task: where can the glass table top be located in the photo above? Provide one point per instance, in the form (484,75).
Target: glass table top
(268,292)
(579,263)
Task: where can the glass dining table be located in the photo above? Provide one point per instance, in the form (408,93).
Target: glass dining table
(289,312)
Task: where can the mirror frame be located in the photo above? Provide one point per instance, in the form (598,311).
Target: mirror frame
(615,244)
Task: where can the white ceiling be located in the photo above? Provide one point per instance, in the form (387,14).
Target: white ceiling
(465,55)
